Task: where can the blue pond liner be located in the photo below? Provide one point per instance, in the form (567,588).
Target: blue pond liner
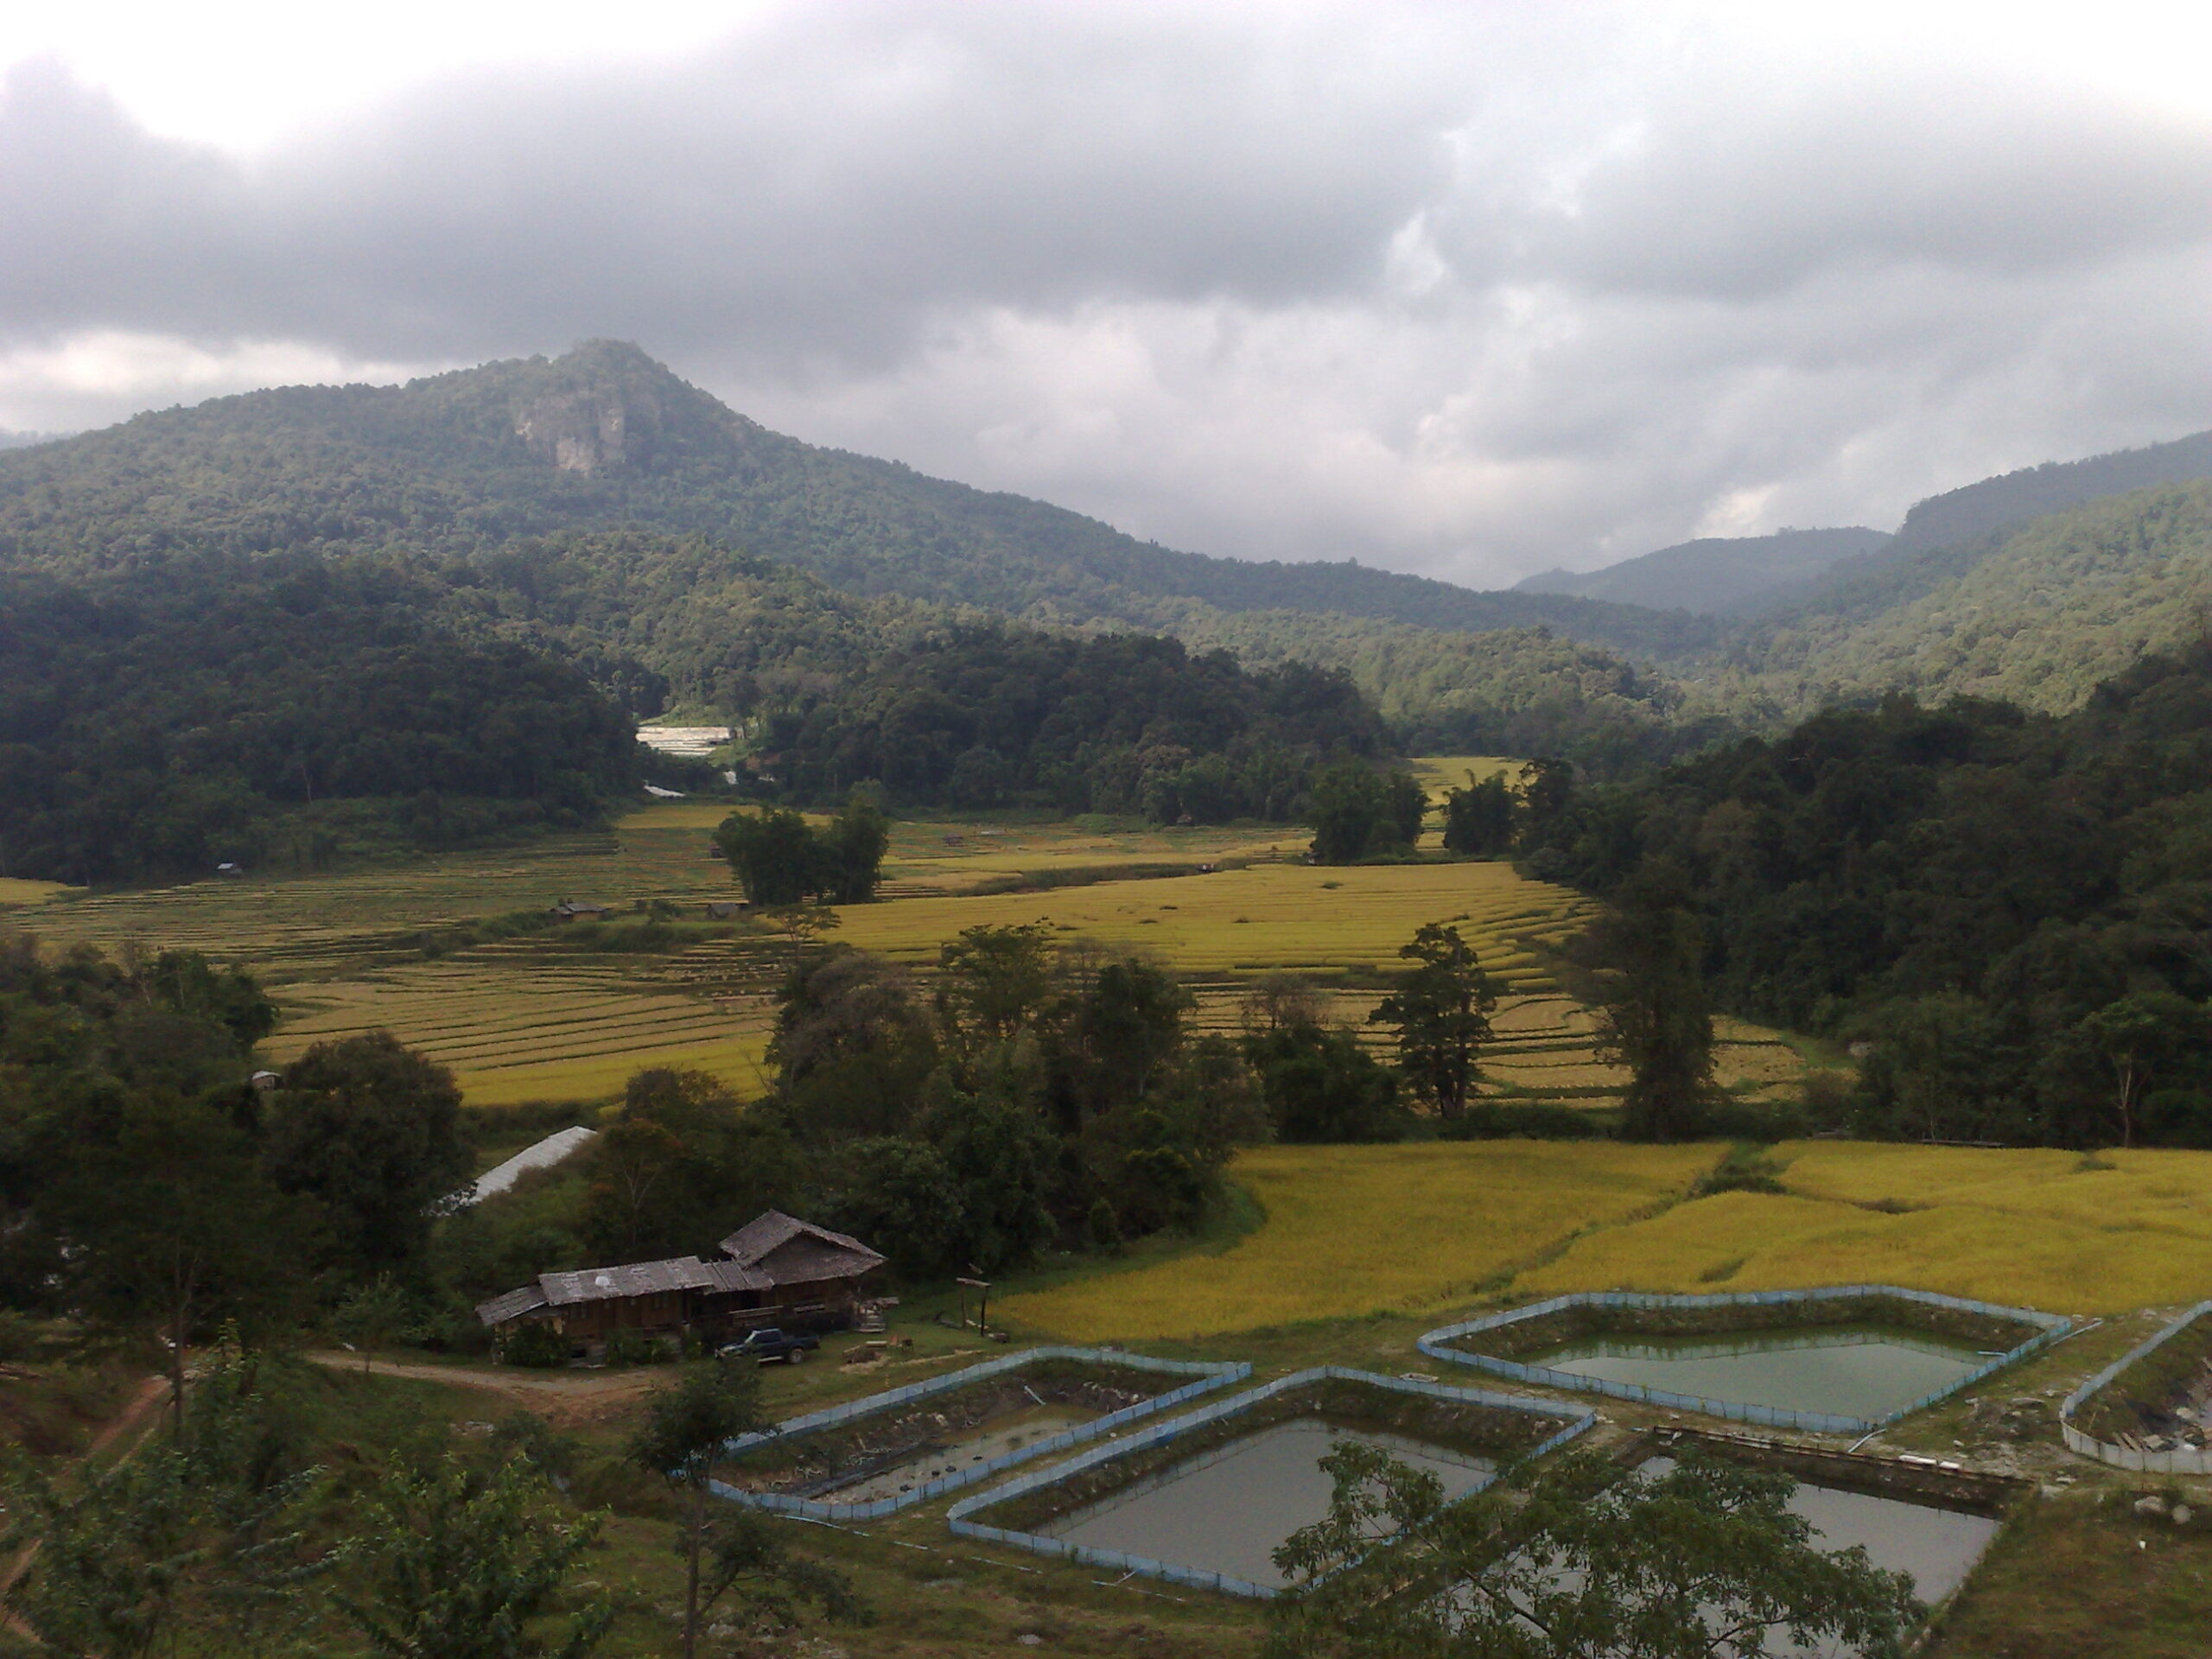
(1236,1405)
(1436,1345)
(1206,1375)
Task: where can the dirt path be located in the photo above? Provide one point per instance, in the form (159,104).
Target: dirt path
(564,1396)
(151,1395)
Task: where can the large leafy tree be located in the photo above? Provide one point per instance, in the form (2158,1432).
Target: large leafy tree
(170,1226)
(371,1130)
(1479,819)
(1654,1016)
(1441,1007)
(1701,1559)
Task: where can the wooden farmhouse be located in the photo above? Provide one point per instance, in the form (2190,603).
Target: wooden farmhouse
(775,1270)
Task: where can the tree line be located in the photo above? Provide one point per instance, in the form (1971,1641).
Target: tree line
(200,710)
(2005,914)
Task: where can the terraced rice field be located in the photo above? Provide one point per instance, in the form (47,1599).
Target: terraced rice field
(518,1020)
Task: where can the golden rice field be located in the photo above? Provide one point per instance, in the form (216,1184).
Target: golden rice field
(1265,916)
(1421,1229)
(1356,1229)
(15,890)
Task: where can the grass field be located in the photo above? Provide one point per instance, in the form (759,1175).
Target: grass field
(14,890)
(1366,1229)
(1361,1229)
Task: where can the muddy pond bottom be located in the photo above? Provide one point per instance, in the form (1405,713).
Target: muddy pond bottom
(963,1449)
(1864,1371)
(1226,1510)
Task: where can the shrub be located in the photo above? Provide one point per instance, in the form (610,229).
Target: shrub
(537,1346)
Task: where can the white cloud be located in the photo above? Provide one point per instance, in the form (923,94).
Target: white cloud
(1471,291)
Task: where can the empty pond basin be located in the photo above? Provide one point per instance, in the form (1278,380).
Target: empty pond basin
(1226,1510)
(962,1450)
(1864,1371)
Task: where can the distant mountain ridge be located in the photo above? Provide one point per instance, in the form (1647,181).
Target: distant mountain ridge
(1714,575)
(605,437)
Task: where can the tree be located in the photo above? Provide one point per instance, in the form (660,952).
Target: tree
(1120,1029)
(688,1423)
(683,1160)
(172,1225)
(994,982)
(900,1197)
(2138,1037)
(1479,819)
(1654,1014)
(1441,1007)
(774,853)
(852,851)
(1702,1560)
(1405,807)
(852,1047)
(1546,792)
(455,1565)
(1002,1160)
(373,1132)
(1349,814)
(371,1315)
(1320,1086)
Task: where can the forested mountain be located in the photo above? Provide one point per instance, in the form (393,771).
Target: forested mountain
(2038,615)
(461,463)
(163,719)
(1716,576)
(2012,911)
(1964,515)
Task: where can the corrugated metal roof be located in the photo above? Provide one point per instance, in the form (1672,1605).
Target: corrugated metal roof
(772,1229)
(634,1279)
(512,1306)
(564,1143)
(736,1276)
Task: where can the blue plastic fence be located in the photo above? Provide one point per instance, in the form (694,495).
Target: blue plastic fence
(1208,1374)
(1162,1433)
(2182,1460)
(1435,1345)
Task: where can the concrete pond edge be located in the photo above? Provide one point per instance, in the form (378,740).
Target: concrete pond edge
(1435,1345)
(1207,1376)
(2127,1457)
(1580,1419)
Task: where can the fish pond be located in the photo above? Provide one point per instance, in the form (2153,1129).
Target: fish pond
(1206,1498)
(1866,1371)
(1838,1361)
(1228,1510)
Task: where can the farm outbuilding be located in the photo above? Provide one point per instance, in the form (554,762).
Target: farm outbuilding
(726,910)
(569,909)
(778,1270)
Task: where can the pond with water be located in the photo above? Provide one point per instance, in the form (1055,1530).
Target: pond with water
(1937,1547)
(1226,1510)
(1863,1371)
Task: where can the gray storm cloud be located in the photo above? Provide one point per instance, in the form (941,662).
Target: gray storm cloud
(1467,293)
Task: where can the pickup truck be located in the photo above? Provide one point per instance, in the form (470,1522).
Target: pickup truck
(789,1346)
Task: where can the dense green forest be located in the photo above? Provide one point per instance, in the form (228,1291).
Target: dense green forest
(605,437)
(2038,614)
(993,716)
(2012,911)
(195,711)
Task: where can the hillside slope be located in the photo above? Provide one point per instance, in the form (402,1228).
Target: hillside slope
(2038,616)
(1716,576)
(461,463)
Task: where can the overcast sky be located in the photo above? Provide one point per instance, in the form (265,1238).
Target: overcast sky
(1467,290)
